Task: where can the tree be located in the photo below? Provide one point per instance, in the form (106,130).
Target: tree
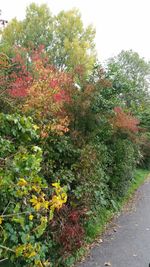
(72,44)
(64,37)
(12,35)
(34,30)
(130,78)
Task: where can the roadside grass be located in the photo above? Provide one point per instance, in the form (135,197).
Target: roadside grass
(140,176)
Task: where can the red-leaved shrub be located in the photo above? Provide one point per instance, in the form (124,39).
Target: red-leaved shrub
(71,233)
(125,121)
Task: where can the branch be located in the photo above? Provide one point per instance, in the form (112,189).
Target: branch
(13,214)
(3,260)
(6,248)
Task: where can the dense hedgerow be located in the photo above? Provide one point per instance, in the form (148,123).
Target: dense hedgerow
(28,202)
(69,146)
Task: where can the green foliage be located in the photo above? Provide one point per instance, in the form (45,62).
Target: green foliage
(64,37)
(130,78)
(92,129)
(140,175)
(27,201)
(91,178)
(11,36)
(34,30)
(124,155)
(5,69)
(24,131)
(144,117)
(73,45)
(97,221)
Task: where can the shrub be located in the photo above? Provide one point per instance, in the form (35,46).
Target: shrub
(74,132)
(28,202)
(145,150)
(71,234)
(91,178)
(124,158)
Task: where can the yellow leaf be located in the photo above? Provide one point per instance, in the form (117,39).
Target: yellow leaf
(35,127)
(1,220)
(45,204)
(30,217)
(64,197)
(56,202)
(36,188)
(35,202)
(37,206)
(32,254)
(38,263)
(22,182)
(56,185)
(43,219)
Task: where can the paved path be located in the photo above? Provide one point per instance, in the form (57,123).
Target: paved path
(128,244)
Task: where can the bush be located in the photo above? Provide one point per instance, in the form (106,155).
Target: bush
(71,129)
(91,178)
(28,202)
(145,151)
(123,153)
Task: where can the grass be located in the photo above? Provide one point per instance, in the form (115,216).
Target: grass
(139,179)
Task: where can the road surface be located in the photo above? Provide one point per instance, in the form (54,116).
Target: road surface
(127,242)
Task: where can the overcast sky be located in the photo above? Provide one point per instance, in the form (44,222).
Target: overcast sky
(120,24)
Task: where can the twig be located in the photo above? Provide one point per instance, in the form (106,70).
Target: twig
(6,208)
(14,214)
(4,260)
(7,248)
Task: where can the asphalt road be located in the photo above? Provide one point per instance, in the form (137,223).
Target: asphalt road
(127,242)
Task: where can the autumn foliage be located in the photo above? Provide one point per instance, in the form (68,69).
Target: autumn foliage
(68,150)
(72,133)
(125,121)
(39,89)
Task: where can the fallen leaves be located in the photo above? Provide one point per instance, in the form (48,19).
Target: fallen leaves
(107,264)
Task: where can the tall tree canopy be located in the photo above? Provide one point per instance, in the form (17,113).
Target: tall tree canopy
(64,36)
(73,45)
(129,74)
(34,30)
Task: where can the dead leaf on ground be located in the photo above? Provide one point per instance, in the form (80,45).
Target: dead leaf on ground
(107,264)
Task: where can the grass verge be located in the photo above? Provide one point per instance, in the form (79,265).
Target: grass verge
(139,178)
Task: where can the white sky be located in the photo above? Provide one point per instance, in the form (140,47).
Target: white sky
(120,24)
